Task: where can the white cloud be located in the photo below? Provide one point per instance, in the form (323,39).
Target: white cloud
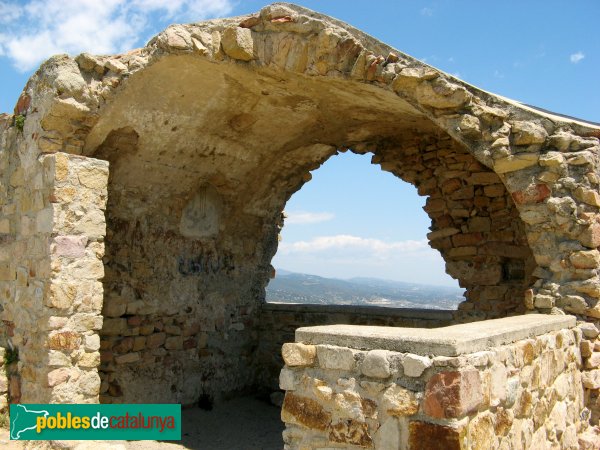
(498,74)
(349,242)
(303,217)
(428,12)
(576,57)
(35,30)
(345,256)
(9,12)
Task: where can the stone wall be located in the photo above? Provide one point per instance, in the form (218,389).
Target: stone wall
(506,383)
(279,321)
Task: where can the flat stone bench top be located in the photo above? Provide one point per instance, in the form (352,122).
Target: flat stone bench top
(445,341)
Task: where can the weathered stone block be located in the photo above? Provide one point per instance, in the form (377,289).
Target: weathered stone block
(453,394)
(351,432)
(415,365)
(335,358)
(376,364)
(155,340)
(298,354)
(238,43)
(304,411)
(58,376)
(174,343)
(397,401)
(127,358)
(431,436)
(589,259)
(528,133)
(64,340)
(516,162)
(535,193)
(69,246)
(89,360)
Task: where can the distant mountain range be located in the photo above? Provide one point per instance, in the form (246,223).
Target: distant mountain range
(290,287)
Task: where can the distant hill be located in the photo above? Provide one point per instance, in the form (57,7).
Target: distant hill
(290,287)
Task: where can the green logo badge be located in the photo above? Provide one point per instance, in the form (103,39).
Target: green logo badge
(95,422)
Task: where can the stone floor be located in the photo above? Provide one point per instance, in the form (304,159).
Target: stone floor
(240,424)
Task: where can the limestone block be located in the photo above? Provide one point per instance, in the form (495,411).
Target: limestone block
(589,196)
(58,359)
(589,259)
(528,133)
(593,362)
(287,379)
(453,394)
(155,340)
(351,432)
(89,360)
(586,348)
(498,379)
(304,411)
(89,383)
(543,301)
(376,364)
(58,376)
(574,303)
(441,94)
(552,159)
(481,432)
(591,379)
(415,365)
(115,65)
(238,43)
(590,331)
(590,236)
(64,340)
(56,322)
(335,358)
(177,37)
(397,401)
(298,354)
(348,404)
(516,162)
(388,435)
(504,420)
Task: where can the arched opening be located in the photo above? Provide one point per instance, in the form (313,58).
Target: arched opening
(355,235)
(196,193)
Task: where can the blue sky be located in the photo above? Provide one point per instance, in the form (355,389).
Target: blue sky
(352,219)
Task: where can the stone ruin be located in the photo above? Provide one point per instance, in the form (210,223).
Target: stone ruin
(141,202)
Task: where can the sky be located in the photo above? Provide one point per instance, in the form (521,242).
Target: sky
(352,219)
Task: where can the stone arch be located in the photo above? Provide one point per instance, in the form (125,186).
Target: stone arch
(226,118)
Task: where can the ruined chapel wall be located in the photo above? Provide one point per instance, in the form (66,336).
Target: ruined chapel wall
(52,210)
(180,315)
(475,225)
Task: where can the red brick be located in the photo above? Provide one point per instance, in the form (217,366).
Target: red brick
(535,193)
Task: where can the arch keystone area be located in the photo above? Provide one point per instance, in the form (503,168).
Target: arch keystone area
(143,197)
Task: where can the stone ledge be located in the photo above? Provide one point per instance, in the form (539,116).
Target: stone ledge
(408,313)
(445,341)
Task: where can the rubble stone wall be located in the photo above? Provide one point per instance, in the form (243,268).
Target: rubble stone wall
(522,394)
